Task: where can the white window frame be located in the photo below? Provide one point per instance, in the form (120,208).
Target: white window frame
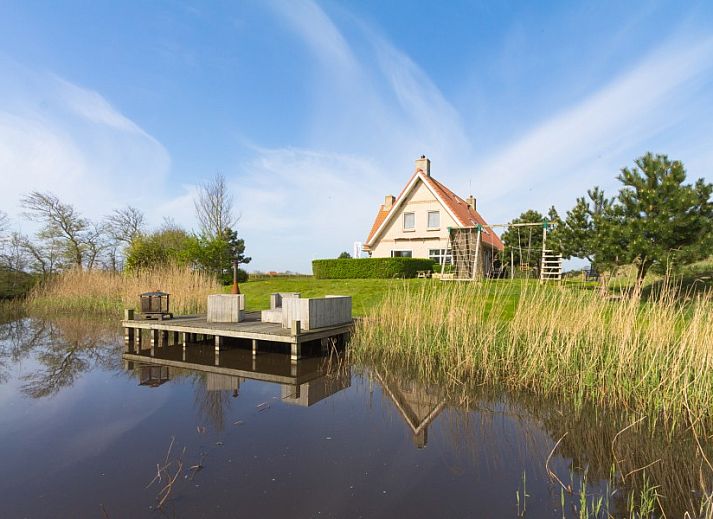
(401,255)
(403,221)
(430,227)
(442,255)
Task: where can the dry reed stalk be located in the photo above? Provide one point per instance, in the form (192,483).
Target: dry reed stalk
(103,292)
(651,356)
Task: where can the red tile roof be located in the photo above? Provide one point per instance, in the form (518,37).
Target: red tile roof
(380,217)
(465,215)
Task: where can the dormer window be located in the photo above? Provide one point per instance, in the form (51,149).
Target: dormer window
(409,221)
(434,220)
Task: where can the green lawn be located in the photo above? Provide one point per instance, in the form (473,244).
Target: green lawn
(366,293)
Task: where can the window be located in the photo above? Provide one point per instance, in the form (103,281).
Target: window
(434,219)
(409,221)
(401,253)
(440,255)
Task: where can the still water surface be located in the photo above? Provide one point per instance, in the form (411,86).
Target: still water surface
(84,426)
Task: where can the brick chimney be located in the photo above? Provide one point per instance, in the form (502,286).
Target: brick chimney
(389,201)
(424,165)
(471,202)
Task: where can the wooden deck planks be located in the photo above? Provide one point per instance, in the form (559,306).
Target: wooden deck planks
(250,328)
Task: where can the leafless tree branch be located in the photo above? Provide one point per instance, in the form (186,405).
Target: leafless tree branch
(214,207)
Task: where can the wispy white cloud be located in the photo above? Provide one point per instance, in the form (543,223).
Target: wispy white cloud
(318,32)
(297,205)
(585,144)
(57,136)
(376,112)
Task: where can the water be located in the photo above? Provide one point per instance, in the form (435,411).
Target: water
(83,428)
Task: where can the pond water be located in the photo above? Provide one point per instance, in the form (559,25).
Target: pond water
(85,428)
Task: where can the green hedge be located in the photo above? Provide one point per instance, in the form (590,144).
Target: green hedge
(359,268)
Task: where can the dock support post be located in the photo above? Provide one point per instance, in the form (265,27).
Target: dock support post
(176,337)
(254,347)
(184,339)
(128,338)
(155,338)
(137,341)
(218,343)
(295,351)
(128,331)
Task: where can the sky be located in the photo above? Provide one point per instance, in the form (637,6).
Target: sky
(314,111)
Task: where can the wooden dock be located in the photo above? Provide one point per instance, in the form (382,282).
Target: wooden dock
(194,328)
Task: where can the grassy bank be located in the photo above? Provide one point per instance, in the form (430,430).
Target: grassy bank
(102,292)
(366,293)
(653,357)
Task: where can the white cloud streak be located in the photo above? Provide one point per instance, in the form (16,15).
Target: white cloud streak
(598,135)
(56,136)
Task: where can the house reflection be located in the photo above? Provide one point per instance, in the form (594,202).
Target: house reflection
(418,404)
(303,383)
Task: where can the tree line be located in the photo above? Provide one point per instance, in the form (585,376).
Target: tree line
(656,222)
(66,239)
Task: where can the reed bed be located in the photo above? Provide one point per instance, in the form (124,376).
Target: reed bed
(652,357)
(108,293)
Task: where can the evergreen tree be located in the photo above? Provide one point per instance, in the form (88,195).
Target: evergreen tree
(655,222)
(664,222)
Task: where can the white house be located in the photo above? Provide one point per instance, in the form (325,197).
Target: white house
(415,224)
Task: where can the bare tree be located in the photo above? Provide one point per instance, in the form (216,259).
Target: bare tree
(4,242)
(214,207)
(13,255)
(4,223)
(124,225)
(61,222)
(45,258)
(96,243)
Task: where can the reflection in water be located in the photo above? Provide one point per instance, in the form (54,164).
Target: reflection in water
(218,378)
(473,433)
(418,404)
(64,347)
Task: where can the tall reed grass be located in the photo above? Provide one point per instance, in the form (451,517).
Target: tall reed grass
(103,292)
(653,357)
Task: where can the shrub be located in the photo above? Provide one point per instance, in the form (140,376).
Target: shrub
(359,268)
(227,277)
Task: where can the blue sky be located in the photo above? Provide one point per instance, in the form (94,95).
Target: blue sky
(315,110)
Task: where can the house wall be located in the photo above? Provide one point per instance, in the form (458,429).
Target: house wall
(421,239)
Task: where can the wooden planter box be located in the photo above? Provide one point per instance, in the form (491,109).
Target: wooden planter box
(318,312)
(226,308)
